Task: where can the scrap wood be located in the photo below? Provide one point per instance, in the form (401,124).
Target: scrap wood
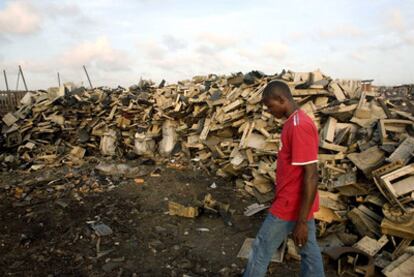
(181,210)
(218,124)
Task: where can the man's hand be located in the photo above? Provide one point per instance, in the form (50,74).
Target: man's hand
(300,233)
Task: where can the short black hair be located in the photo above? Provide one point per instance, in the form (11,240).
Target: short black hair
(276,87)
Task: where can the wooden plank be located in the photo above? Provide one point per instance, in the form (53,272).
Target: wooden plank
(370,245)
(306,92)
(233,105)
(368,160)
(246,133)
(180,210)
(249,155)
(403,114)
(331,200)
(326,214)
(333,147)
(9,119)
(397,121)
(206,129)
(382,131)
(404,186)
(384,107)
(331,157)
(401,267)
(400,249)
(388,178)
(328,132)
(402,230)
(337,91)
(264,132)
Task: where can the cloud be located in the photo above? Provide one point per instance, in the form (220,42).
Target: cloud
(151,49)
(61,9)
(395,20)
(98,53)
(189,63)
(218,40)
(296,35)
(275,50)
(358,56)
(173,43)
(36,66)
(409,38)
(19,18)
(265,53)
(341,31)
(4,40)
(70,11)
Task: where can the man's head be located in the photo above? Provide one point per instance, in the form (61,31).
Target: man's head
(277,98)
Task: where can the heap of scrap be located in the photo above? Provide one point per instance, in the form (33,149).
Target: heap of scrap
(219,123)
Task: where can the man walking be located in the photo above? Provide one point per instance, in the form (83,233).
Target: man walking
(296,196)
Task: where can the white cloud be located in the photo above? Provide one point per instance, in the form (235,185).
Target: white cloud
(218,41)
(70,12)
(267,51)
(99,52)
(208,43)
(409,38)
(395,20)
(358,56)
(173,43)
(3,40)
(19,18)
(152,49)
(275,50)
(176,41)
(341,31)
(62,9)
(296,35)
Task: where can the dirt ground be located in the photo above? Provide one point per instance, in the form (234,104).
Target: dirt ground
(46,229)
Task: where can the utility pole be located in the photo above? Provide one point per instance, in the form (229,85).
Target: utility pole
(5,79)
(24,81)
(58,79)
(18,79)
(87,75)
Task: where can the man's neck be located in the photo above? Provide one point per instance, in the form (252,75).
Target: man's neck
(293,107)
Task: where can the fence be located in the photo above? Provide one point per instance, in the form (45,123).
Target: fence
(9,101)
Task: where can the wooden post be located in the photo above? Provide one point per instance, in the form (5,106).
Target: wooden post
(18,79)
(87,75)
(58,78)
(24,81)
(5,79)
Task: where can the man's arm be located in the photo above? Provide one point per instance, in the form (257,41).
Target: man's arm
(310,187)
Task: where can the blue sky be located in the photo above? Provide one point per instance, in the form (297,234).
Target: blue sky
(120,41)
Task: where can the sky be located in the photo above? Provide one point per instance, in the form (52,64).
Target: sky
(121,41)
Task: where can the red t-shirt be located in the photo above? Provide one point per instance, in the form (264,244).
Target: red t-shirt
(299,146)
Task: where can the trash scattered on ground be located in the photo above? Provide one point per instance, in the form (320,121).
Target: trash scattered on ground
(139,181)
(180,210)
(217,124)
(254,209)
(101,229)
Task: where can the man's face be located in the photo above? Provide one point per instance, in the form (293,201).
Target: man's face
(276,108)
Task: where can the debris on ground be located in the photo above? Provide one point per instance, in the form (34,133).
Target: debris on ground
(218,125)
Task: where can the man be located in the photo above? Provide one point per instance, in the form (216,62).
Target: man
(296,197)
